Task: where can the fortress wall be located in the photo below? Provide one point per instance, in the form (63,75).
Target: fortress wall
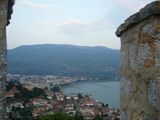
(140,64)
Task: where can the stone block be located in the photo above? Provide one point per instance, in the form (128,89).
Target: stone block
(154,93)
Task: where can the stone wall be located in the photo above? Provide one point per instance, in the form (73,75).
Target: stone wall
(140,64)
(3,55)
(5,15)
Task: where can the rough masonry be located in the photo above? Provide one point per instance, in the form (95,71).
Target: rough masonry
(5,15)
(140,64)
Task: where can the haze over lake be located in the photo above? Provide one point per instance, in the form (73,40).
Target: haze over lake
(107,92)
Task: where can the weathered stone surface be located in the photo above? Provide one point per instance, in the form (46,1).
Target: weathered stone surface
(147,44)
(152,9)
(140,65)
(153,93)
(5,15)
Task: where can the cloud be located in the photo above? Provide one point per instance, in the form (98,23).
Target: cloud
(78,28)
(131,5)
(100,26)
(33,4)
(73,27)
(122,9)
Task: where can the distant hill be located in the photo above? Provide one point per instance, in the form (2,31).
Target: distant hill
(65,60)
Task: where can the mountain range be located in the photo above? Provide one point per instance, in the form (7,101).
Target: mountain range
(66,60)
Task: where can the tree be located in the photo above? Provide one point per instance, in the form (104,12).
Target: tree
(25,113)
(26,94)
(98,118)
(13,83)
(38,92)
(57,116)
(78,116)
(21,114)
(107,105)
(80,96)
(56,88)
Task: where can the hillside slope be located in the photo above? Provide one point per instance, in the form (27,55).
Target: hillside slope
(65,60)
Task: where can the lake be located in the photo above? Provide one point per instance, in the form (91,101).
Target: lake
(107,92)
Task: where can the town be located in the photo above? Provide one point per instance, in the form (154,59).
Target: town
(31,81)
(40,98)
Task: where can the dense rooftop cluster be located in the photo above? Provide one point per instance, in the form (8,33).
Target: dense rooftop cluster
(41,102)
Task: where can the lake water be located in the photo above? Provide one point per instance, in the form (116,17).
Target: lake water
(103,91)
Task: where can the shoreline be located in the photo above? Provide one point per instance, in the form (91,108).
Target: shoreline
(87,81)
(96,91)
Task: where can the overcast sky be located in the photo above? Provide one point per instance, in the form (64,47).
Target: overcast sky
(78,22)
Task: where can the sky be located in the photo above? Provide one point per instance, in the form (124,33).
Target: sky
(77,22)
